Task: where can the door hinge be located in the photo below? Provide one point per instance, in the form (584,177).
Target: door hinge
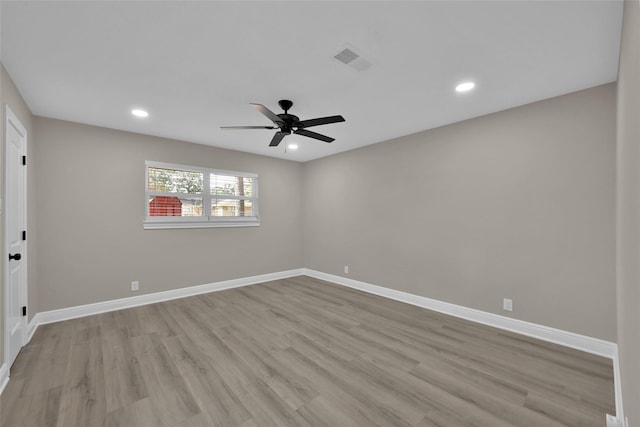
(24,310)
(24,234)
(24,160)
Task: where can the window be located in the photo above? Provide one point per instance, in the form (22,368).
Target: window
(179,196)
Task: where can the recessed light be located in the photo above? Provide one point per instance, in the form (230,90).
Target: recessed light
(466,86)
(292,146)
(139,113)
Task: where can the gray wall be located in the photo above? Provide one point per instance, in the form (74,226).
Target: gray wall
(9,95)
(90,191)
(518,204)
(628,113)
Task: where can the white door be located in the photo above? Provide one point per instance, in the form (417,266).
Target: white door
(15,235)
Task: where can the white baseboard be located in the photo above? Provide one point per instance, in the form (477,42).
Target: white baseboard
(31,327)
(557,336)
(615,422)
(52,316)
(617,383)
(4,377)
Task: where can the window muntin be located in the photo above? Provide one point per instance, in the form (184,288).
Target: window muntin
(184,196)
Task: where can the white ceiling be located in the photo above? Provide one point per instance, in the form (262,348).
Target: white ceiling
(196,66)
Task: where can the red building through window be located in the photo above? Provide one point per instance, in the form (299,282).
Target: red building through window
(165,206)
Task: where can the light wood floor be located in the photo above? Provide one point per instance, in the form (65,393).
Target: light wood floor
(298,352)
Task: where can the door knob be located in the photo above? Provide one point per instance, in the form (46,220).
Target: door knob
(15,256)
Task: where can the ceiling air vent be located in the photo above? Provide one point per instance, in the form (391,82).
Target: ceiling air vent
(349,57)
(346,56)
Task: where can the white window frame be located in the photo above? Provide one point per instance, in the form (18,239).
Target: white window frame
(164,222)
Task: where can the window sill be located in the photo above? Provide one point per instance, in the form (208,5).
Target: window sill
(163,225)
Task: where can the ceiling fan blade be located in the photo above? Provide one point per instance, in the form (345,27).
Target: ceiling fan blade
(277,138)
(320,121)
(314,135)
(270,114)
(247,127)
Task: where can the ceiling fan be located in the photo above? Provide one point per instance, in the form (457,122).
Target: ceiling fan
(288,123)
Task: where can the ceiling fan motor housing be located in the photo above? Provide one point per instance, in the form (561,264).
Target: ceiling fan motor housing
(285,104)
(289,121)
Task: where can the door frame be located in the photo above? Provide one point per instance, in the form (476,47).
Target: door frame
(11,120)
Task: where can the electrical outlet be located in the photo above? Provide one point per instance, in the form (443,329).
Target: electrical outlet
(135,285)
(346,269)
(507,304)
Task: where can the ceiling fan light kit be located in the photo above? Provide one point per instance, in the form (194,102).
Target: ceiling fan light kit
(288,124)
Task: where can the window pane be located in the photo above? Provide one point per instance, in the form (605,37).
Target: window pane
(231,185)
(222,207)
(175,181)
(174,206)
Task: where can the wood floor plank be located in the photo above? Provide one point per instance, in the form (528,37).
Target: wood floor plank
(167,388)
(13,407)
(200,420)
(44,409)
(567,412)
(141,413)
(292,389)
(513,413)
(322,413)
(213,395)
(298,352)
(49,360)
(338,397)
(379,400)
(124,383)
(83,400)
